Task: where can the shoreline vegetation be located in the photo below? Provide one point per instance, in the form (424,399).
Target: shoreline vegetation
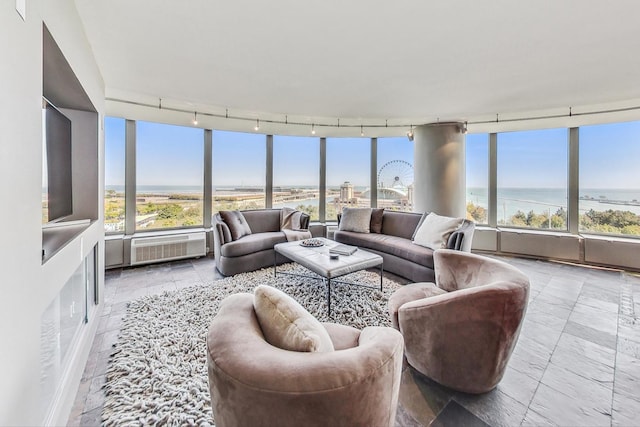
(157,210)
(608,221)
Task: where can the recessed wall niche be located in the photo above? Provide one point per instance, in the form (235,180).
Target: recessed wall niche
(62,89)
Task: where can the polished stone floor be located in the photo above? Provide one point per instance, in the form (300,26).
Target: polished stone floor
(577,362)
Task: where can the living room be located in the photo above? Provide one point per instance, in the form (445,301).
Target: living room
(292,121)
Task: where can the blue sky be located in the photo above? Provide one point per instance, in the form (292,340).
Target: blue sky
(609,155)
(172,155)
(239,158)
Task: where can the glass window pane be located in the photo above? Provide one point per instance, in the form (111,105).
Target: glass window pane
(610,178)
(239,169)
(532,179)
(348,174)
(169,176)
(114,171)
(477,173)
(395,173)
(296,173)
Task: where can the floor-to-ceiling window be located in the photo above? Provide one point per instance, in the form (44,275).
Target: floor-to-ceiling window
(395,173)
(610,178)
(239,165)
(169,176)
(296,172)
(477,177)
(348,174)
(114,174)
(532,179)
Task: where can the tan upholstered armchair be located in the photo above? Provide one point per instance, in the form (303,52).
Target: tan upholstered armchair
(254,383)
(461,330)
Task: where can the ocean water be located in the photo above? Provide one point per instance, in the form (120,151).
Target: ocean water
(160,189)
(550,200)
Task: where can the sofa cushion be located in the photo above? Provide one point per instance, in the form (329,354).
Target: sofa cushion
(355,219)
(261,220)
(435,231)
(401,224)
(398,246)
(237,224)
(424,215)
(252,243)
(375,226)
(286,324)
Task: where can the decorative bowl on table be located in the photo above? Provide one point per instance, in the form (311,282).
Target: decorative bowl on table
(311,243)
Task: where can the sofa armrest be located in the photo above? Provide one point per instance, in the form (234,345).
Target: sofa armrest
(304,221)
(221,235)
(462,238)
(222,230)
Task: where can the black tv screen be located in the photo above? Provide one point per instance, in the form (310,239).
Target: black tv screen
(57,161)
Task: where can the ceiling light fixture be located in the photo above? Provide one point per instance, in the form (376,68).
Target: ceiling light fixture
(313,129)
(410,133)
(195,118)
(160,105)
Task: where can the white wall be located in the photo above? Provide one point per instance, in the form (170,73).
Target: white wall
(27,286)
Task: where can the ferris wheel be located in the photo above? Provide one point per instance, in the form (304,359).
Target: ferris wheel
(395,174)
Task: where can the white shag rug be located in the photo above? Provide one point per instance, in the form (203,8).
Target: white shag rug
(158,372)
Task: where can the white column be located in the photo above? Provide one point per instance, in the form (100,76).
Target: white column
(439,169)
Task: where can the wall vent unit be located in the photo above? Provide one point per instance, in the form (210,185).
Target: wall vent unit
(164,248)
(544,244)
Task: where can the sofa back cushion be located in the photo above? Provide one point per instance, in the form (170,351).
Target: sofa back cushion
(263,220)
(400,224)
(237,224)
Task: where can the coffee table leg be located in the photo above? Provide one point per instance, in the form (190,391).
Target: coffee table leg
(381,273)
(329,296)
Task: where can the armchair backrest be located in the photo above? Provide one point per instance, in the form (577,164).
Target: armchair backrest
(456,270)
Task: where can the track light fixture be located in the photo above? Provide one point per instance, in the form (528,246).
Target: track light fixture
(313,129)
(410,133)
(462,127)
(195,118)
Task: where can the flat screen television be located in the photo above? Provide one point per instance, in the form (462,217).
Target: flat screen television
(57,171)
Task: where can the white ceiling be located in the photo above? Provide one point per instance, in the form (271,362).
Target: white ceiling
(400,60)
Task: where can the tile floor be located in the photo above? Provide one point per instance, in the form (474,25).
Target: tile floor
(577,361)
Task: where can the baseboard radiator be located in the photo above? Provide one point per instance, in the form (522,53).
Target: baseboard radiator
(146,250)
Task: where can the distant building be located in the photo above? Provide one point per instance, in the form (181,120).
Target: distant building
(346,192)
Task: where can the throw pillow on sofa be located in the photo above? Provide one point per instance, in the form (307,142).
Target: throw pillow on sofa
(376,220)
(237,224)
(435,230)
(288,325)
(355,219)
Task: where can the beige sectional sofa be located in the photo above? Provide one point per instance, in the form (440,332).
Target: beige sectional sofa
(393,240)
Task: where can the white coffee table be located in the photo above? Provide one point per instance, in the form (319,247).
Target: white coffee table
(317,260)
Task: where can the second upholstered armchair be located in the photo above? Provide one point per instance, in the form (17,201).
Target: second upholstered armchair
(461,330)
(271,363)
